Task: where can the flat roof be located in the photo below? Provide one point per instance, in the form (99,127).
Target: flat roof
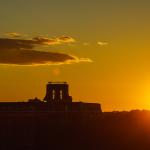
(57,82)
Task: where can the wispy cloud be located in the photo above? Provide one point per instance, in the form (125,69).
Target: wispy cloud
(53,41)
(14,34)
(102,43)
(66,39)
(14,51)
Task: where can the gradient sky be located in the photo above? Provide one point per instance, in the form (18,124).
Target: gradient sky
(115,35)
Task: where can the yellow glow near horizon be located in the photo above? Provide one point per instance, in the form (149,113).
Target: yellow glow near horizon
(113,35)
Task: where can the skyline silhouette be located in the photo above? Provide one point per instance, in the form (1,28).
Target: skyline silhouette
(101,47)
(96,55)
(56,100)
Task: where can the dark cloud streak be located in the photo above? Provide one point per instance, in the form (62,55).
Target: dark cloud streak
(33,57)
(22,52)
(6,43)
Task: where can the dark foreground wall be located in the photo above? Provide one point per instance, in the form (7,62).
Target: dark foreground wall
(75,131)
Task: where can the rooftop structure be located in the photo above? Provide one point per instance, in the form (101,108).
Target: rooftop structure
(57,92)
(57,99)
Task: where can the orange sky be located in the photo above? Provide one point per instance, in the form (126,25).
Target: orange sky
(100,47)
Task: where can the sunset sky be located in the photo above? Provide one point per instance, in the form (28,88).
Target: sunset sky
(100,47)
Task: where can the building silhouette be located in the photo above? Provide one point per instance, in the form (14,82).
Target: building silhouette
(57,99)
(57,92)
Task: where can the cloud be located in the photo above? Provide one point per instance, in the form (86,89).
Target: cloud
(83,60)
(14,43)
(53,41)
(22,52)
(7,43)
(66,39)
(14,34)
(45,41)
(33,57)
(102,43)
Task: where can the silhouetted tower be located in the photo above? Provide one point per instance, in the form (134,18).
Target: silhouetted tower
(57,92)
